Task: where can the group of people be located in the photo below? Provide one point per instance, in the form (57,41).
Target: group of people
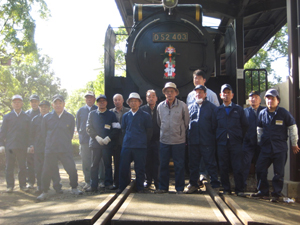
(150,135)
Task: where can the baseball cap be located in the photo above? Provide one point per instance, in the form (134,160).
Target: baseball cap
(34,97)
(201,87)
(89,93)
(226,86)
(58,97)
(272,92)
(17,97)
(101,96)
(253,93)
(44,102)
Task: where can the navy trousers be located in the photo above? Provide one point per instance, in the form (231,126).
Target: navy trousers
(231,156)
(207,153)
(263,163)
(152,163)
(11,155)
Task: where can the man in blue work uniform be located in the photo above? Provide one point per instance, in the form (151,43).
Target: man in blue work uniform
(137,130)
(231,128)
(199,79)
(58,130)
(173,119)
(14,142)
(201,139)
(85,152)
(250,147)
(37,146)
(152,158)
(102,126)
(119,110)
(34,111)
(275,124)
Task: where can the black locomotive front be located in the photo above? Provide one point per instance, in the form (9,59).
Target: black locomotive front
(163,47)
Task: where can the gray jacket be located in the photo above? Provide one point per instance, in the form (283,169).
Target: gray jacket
(173,122)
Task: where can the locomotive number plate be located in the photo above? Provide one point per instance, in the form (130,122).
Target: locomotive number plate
(170,37)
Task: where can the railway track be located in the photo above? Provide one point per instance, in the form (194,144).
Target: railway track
(112,208)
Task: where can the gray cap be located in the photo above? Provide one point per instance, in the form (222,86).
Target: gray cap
(34,97)
(201,87)
(272,92)
(226,86)
(17,97)
(58,97)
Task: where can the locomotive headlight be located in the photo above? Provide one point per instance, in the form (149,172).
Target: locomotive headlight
(169,3)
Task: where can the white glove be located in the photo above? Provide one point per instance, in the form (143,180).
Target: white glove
(106,140)
(2,149)
(30,149)
(99,139)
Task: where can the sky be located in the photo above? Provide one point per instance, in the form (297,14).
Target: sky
(74,37)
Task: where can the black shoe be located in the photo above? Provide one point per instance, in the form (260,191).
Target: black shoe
(59,191)
(113,187)
(241,194)
(91,189)
(259,195)
(274,199)
(226,192)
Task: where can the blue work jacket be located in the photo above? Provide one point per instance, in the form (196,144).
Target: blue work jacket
(135,129)
(58,132)
(156,129)
(202,124)
(251,135)
(32,113)
(15,130)
(232,126)
(81,119)
(102,125)
(275,131)
(35,137)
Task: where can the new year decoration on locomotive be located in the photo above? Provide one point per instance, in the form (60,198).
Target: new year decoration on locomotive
(168,42)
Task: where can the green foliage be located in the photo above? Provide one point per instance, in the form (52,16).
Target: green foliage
(30,74)
(275,48)
(75,144)
(18,27)
(120,64)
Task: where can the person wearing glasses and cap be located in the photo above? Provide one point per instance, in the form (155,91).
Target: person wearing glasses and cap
(34,111)
(250,147)
(102,126)
(137,131)
(14,143)
(58,130)
(275,125)
(202,139)
(85,151)
(231,128)
(173,119)
(37,147)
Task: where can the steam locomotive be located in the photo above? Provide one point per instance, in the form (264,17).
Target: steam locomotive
(165,45)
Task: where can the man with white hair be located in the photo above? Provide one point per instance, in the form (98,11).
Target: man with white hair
(119,110)
(137,129)
(14,142)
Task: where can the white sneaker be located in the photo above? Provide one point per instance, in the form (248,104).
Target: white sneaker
(86,186)
(75,191)
(191,189)
(42,197)
(101,185)
(9,190)
(202,177)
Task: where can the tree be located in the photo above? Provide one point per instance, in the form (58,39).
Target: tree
(17,28)
(29,75)
(275,48)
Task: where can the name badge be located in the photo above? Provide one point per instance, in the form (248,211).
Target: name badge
(279,122)
(107,126)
